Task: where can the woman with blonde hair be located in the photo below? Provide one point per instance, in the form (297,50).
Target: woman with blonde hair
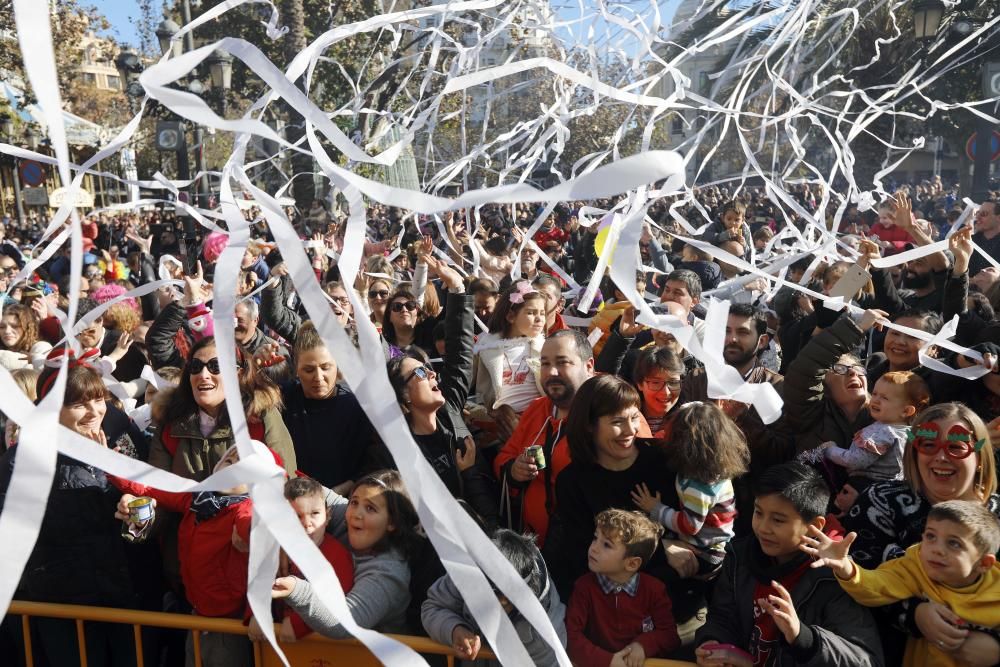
(949,456)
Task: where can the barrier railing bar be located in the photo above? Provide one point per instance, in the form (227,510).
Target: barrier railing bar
(198,624)
(196,642)
(81,639)
(29,658)
(137,631)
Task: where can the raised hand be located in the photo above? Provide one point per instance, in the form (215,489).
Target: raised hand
(122,347)
(782,610)
(518,234)
(904,210)
(145,244)
(424,248)
(828,553)
(869,251)
(451,278)
(194,286)
(960,245)
(873,317)
(627,326)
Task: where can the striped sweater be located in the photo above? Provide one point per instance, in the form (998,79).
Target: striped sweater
(705,519)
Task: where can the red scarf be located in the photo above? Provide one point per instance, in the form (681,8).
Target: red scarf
(765,636)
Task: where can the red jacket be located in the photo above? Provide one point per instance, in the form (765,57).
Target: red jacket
(895,236)
(598,625)
(213,570)
(343,566)
(554,233)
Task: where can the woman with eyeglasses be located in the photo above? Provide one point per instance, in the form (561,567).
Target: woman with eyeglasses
(433,406)
(949,456)
(826,387)
(658,375)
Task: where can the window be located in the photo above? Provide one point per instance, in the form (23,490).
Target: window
(114,83)
(677,124)
(90,78)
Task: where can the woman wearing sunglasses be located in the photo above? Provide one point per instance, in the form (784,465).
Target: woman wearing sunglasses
(949,456)
(193,429)
(433,406)
(405,323)
(826,387)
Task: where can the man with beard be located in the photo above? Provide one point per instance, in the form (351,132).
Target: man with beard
(567,361)
(769,444)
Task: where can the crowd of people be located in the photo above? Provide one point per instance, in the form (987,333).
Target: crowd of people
(650,520)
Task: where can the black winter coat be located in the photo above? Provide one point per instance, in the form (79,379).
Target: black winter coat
(476,486)
(80,556)
(839,631)
(331,435)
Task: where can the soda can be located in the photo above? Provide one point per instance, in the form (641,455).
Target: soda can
(140,510)
(536,452)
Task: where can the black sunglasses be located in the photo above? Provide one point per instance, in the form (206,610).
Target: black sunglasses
(195,366)
(398,306)
(378,294)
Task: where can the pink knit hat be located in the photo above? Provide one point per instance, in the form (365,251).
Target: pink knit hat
(215,243)
(105,293)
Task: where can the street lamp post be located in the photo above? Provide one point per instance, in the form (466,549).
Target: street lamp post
(7,127)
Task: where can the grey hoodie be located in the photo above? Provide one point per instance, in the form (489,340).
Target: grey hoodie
(444,610)
(381,592)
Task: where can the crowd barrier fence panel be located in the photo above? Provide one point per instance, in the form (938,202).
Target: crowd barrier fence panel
(311,651)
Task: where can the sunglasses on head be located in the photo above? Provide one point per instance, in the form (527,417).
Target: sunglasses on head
(957,444)
(196,365)
(398,306)
(846,369)
(378,294)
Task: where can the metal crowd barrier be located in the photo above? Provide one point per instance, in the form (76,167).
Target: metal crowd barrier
(311,651)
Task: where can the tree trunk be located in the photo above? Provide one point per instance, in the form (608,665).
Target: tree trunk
(303,189)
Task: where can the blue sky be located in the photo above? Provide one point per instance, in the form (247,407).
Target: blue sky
(119,12)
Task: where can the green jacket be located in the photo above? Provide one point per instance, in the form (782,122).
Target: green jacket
(810,414)
(196,455)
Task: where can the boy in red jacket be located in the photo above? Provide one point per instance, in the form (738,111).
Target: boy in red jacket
(308,499)
(214,571)
(618,616)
